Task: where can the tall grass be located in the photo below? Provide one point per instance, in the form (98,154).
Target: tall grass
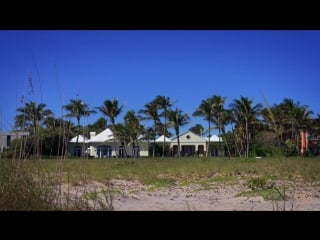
(22,188)
(27,184)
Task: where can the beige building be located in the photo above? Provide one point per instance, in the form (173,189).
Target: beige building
(191,144)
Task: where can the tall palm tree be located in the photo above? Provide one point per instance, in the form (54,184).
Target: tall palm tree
(218,109)
(226,118)
(290,108)
(150,112)
(205,110)
(286,120)
(98,126)
(164,103)
(296,116)
(197,129)
(246,115)
(134,129)
(121,131)
(176,120)
(270,122)
(51,126)
(316,125)
(149,134)
(77,108)
(112,109)
(32,115)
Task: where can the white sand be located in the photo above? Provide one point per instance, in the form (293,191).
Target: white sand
(134,196)
(218,197)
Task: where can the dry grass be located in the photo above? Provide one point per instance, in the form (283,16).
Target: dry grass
(22,189)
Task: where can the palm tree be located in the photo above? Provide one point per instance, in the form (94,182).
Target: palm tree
(286,120)
(77,108)
(134,129)
(226,118)
(98,126)
(316,125)
(32,115)
(218,109)
(246,115)
(149,134)
(271,123)
(176,120)
(197,129)
(121,132)
(111,109)
(205,109)
(164,103)
(296,116)
(150,112)
(51,125)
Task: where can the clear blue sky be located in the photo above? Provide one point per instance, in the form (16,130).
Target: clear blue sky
(136,66)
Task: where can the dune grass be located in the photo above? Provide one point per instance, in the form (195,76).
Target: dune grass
(33,186)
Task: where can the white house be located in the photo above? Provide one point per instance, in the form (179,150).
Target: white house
(75,149)
(214,150)
(102,146)
(161,139)
(213,138)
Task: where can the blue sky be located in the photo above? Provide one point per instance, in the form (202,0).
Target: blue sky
(137,65)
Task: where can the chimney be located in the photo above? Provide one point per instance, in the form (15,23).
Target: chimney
(92,134)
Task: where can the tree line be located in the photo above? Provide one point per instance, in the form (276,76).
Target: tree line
(255,130)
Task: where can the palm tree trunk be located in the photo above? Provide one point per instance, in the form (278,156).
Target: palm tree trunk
(235,140)
(224,134)
(154,142)
(208,147)
(178,139)
(247,139)
(114,142)
(164,131)
(219,153)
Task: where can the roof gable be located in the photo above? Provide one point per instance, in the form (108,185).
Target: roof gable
(189,137)
(104,136)
(161,139)
(81,139)
(213,138)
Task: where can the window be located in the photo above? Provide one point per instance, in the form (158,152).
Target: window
(188,150)
(104,151)
(200,149)
(136,151)
(77,151)
(121,151)
(8,140)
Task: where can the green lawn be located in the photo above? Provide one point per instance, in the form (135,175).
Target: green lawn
(149,170)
